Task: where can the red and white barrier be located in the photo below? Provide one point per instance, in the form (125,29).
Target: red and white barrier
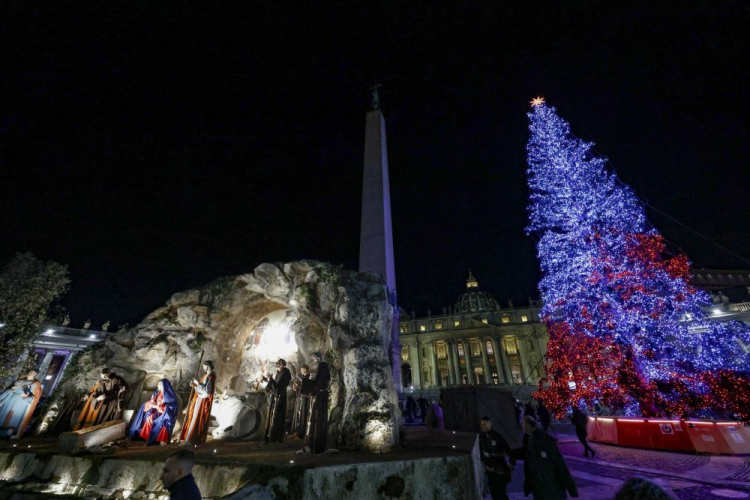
(704,436)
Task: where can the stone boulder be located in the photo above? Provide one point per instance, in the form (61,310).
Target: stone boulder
(345,315)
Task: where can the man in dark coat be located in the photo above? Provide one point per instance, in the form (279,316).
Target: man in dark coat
(544,415)
(528,410)
(317,388)
(277,387)
(544,469)
(177,476)
(493,449)
(579,420)
(301,403)
(422,403)
(411,406)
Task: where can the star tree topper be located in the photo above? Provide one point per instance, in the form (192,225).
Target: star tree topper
(537,101)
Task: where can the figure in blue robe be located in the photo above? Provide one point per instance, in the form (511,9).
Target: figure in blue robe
(155,419)
(17,404)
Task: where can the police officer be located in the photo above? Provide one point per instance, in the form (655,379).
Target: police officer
(494,449)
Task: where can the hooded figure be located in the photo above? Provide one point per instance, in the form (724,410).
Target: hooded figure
(103,403)
(276,387)
(317,389)
(155,419)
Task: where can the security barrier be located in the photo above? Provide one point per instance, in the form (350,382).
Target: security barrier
(704,436)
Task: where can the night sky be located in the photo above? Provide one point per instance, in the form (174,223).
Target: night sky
(154,147)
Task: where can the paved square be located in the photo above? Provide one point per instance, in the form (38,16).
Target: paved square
(684,476)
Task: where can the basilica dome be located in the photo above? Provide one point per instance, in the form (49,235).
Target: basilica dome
(474,300)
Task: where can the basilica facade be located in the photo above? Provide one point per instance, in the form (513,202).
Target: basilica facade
(476,342)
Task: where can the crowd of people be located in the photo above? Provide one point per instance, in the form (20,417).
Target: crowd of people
(546,475)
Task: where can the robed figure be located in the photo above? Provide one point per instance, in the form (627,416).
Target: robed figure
(17,404)
(195,429)
(301,403)
(103,403)
(277,387)
(317,389)
(155,419)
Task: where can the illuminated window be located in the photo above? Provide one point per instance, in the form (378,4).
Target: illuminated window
(475,349)
(515,371)
(405,353)
(403,328)
(484,320)
(506,318)
(422,328)
(456,323)
(461,350)
(510,346)
(442,352)
(490,350)
(438,325)
(524,318)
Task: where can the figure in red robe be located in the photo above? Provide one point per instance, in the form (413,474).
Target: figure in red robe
(195,429)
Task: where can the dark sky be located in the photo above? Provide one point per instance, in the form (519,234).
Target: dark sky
(154,147)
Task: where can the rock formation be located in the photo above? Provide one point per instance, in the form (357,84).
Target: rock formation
(343,314)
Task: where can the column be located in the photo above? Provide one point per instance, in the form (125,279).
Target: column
(376,233)
(469,367)
(506,363)
(485,362)
(456,362)
(501,367)
(416,369)
(435,372)
(451,362)
(44,366)
(525,370)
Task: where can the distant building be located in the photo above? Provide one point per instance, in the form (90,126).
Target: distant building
(53,349)
(475,342)
(479,342)
(730,293)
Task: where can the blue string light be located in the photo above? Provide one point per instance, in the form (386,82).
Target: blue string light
(607,274)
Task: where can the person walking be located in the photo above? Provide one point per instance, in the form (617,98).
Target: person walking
(177,476)
(493,450)
(422,403)
(545,474)
(579,421)
(411,407)
(528,410)
(545,418)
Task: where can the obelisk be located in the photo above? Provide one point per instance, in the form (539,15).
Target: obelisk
(376,233)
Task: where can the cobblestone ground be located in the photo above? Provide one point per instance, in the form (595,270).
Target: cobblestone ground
(683,476)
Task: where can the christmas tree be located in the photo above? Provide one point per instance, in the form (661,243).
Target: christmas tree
(626,326)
